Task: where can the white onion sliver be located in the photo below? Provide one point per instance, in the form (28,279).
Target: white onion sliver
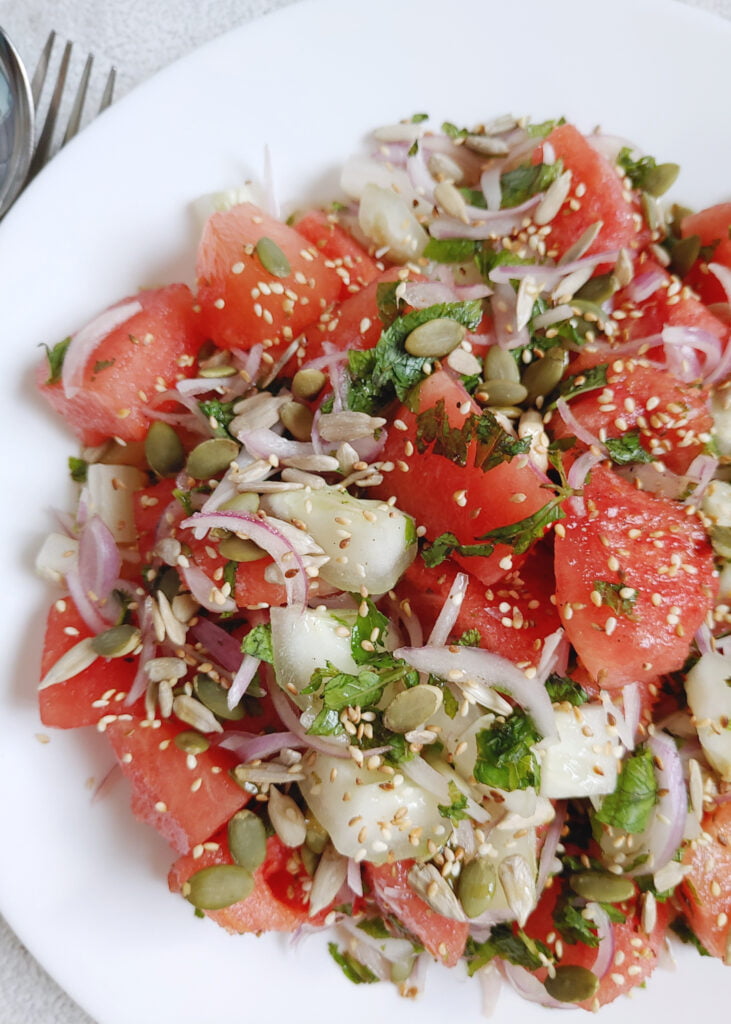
(204,590)
(531,988)
(449,611)
(354,877)
(242,680)
(665,832)
(86,340)
(605,933)
(577,428)
(550,845)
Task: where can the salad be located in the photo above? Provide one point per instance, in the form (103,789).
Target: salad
(398,576)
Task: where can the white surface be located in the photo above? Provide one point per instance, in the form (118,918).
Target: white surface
(84,884)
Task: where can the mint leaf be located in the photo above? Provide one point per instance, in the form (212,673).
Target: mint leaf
(505,759)
(369,629)
(55,357)
(456,810)
(258,643)
(219,415)
(573,926)
(629,807)
(353,969)
(78,469)
(620,598)
(514,946)
(626,450)
(526,180)
(579,383)
(450,250)
(561,688)
(494,444)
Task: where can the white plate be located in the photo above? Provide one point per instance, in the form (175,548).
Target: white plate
(84,884)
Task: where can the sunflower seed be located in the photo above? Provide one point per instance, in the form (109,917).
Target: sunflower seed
(624,268)
(443,168)
(556,194)
(519,885)
(464,363)
(427,882)
(157,669)
(486,145)
(266,773)
(286,818)
(75,660)
(582,244)
(328,879)
(192,712)
(451,201)
(347,426)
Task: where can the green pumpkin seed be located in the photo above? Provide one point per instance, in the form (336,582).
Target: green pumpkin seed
(308,383)
(677,215)
(657,180)
(721,540)
(214,696)
(272,258)
(247,840)
(590,311)
(684,253)
(310,860)
(572,984)
(236,549)
(217,371)
(504,392)
(297,419)
(500,365)
(116,642)
(411,708)
(248,502)
(435,338)
(653,212)
(542,375)
(168,582)
(401,970)
(164,449)
(316,837)
(599,288)
(211,457)
(219,886)
(602,887)
(191,742)
(476,886)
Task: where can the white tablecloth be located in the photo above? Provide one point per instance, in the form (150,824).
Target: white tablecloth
(138,37)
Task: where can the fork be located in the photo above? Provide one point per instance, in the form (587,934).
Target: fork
(44,149)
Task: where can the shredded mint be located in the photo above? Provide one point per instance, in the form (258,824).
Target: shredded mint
(509,944)
(626,449)
(369,629)
(579,383)
(78,469)
(573,926)
(456,809)
(219,414)
(620,598)
(494,444)
(563,689)
(505,758)
(450,250)
(258,643)
(526,180)
(353,969)
(55,357)
(630,806)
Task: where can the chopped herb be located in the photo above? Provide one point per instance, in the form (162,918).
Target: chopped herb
(258,643)
(387,302)
(78,469)
(579,383)
(453,131)
(646,174)
(613,912)
(617,596)
(455,810)
(446,544)
(450,703)
(185,499)
(488,259)
(573,926)
(505,759)
(626,449)
(102,364)
(388,371)
(686,934)
(55,358)
(494,444)
(366,627)
(470,638)
(543,128)
(450,250)
(326,723)
(629,807)
(219,415)
(375,927)
(514,946)
(561,688)
(340,690)
(474,197)
(526,180)
(353,969)
(418,118)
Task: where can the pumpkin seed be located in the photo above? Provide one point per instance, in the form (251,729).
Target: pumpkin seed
(297,419)
(236,549)
(247,839)
(308,383)
(677,215)
(500,365)
(248,502)
(215,697)
(657,180)
(310,860)
(601,887)
(435,338)
(211,457)
(411,708)
(401,970)
(504,392)
(272,258)
(476,886)
(164,449)
(542,375)
(599,288)
(217,371)
(191,742)
(572,984)
(316,837)
(653,212)
(116,642)
(219,886)
(684,253)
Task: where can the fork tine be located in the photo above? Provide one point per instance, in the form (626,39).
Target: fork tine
(39,75)
(45,142)
(76,111)
(108,94)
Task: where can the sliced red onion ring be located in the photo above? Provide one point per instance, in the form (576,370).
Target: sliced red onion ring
(422,773)
(99,562)
(84,342)
(701,471)
(449,611)
(422,294)
(250,747)
(204,590)
(249,362)
(577,428)
(461,664)
(555,649)
(504,313)
(530,987)
(605,933)
(665,833)
(503,222)
(264,533)
(289,718)
(86,608)
(222,646)
(682,345)
(242,680)
(704,639)
(149,646)
(327,360)
(551,276)
(490,184)
(553,316)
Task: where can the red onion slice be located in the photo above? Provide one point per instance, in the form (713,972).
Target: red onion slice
(264,533)
(577,428)
(289,718)
(449,611)
(551,276)
(354,877)
(491,984)
(204,590)
(665,833)
(250,747)
(505,318)
(460,665)
(86,608)
(149,646)
(221,645)
(605,933)
(86,340)
(242,680)
(552,838)
(646,284)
